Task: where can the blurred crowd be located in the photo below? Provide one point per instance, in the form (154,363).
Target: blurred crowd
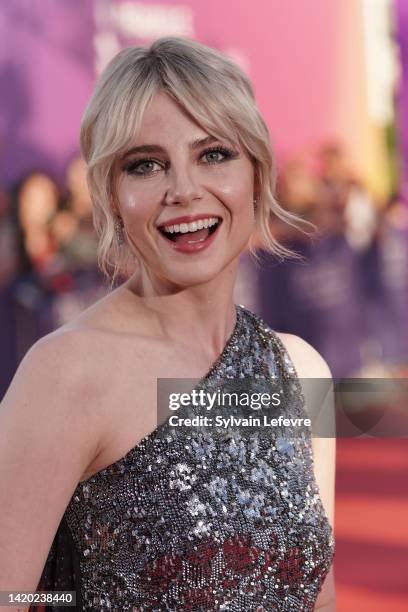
(48,260)
(347,296)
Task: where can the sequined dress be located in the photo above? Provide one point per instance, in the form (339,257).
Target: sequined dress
(195,522)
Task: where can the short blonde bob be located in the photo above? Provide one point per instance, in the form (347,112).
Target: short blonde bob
(214,92)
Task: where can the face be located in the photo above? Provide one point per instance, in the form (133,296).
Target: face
(38,201)
(173,181)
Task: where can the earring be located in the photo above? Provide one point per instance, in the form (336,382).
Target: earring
(256,200)
(119,231)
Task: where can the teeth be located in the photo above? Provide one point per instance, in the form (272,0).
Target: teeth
(191,227)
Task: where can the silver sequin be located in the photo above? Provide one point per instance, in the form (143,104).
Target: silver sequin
(197,522)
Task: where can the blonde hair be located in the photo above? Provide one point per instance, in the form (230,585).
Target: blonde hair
(214,91)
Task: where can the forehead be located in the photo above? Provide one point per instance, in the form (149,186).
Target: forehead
(163,116)
(165,120)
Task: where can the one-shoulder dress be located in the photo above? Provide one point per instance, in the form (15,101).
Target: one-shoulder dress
(198,522)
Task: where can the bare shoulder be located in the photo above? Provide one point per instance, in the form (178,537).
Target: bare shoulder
(54,419)
(308,362)
(56,383)
(48,437)
(65,359)
(82,349)
(52,362)
(83,359)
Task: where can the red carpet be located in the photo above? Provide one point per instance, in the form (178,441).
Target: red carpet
(371,563)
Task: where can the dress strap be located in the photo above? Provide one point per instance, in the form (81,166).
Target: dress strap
(281,354)
(270,338)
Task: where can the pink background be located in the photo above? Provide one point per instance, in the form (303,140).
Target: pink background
(47,71)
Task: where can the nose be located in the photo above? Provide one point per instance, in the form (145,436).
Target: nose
(182,187)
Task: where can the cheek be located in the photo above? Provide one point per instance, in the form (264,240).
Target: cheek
(238,199)
(135,206)
(236,188)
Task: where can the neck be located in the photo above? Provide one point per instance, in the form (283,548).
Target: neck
(203,312)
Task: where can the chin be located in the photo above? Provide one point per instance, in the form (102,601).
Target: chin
(189,274)
(186,279)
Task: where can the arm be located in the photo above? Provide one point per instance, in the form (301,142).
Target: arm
(48,437)
(319,400)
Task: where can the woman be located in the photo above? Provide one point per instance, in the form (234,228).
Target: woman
(180,172)
(36,200)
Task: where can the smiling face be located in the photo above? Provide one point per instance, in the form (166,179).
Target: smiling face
(175,173)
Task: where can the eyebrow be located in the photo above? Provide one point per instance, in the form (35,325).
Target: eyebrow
(153,148)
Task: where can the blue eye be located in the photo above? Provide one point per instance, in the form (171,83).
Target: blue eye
(134,167)
(223,151)
(145,167)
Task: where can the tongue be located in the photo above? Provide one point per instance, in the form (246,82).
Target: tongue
(192,236)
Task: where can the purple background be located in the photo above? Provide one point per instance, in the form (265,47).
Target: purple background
(46,54)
